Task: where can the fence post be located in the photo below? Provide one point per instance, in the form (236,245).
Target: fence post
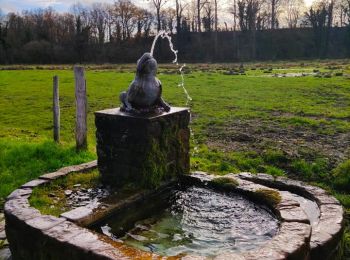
(56,110)
(81,108)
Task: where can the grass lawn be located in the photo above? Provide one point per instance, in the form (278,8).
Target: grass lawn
(258,122)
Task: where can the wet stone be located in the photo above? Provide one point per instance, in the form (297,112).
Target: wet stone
(83,197)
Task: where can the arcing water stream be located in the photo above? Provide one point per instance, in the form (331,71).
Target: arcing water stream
(163,34)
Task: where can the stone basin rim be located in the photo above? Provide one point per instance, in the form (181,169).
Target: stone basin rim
(116,112)
(293,241)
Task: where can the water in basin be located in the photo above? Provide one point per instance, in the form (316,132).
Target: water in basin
(193,220)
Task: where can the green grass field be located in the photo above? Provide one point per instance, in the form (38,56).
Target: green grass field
(295,126)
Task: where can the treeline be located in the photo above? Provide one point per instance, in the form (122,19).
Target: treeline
(121,32)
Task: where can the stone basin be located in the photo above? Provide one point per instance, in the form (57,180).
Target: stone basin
(310,221)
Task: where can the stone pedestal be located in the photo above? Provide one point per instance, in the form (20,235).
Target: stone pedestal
(144,150)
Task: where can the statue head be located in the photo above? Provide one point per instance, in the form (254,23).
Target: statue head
(146,65)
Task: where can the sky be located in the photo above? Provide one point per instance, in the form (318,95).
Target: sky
(60,5)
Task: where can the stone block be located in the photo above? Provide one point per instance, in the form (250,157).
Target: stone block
(19,193)
(44,222)
(34,183)
(145,150)
(78,213)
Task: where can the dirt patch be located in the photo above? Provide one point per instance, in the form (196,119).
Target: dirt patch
(294,141)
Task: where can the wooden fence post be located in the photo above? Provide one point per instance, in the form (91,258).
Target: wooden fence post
(81,108)
(56,110)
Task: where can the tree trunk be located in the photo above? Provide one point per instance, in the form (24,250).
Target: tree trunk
(273,14)
(158,19)
(199,15)
(216,15)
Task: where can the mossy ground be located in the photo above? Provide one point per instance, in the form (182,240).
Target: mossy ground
(50,198)
(295,126)
(225,182)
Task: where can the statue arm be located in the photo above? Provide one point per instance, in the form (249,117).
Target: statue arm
(162,103)
(126,97)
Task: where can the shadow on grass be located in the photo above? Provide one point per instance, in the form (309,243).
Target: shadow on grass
(20,163)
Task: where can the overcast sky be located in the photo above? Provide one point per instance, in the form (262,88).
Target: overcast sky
(64,6)
(60,5)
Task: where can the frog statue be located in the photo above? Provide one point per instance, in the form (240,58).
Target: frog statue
(144,94)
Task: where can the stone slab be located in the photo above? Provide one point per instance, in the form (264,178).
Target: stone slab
(77,214)
(53,175)
(44,222)
(19,209)
(20,193)
(293,214)
(34,183)
(69,169)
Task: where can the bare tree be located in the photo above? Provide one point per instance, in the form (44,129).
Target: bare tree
(192,16)
(125,12)
(142,18)
(216,21)
(110,21)
(292,12)
(320,16)
(158,4)
(200,5)
(179,8)
(208,17)
(248,14)
(233,10)
(342,12)
(99,13)
(82,12)
(168,19)
(275,5)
